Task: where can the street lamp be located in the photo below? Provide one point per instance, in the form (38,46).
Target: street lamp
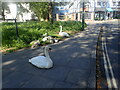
(13,10)
(83,20)
(52,8)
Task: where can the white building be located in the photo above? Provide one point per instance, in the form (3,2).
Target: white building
(94,9)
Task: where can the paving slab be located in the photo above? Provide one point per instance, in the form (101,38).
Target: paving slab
(57,73)
(74,64)
(15,80)
(39,82)
(61,84)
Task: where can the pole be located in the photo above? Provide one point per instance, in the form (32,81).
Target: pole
(83,21)
(16,28)
(51,4)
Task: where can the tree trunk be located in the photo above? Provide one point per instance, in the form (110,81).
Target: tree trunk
(39,18)
(3,14)
(51,12)
(47,19)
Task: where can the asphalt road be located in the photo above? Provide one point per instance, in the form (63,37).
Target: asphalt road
(112,36)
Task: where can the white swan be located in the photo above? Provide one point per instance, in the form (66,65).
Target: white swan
(50,39)
(46,34)
(35,44)
(45,39)
(42,61)
(64,34)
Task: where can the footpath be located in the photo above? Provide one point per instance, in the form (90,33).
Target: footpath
(74,64)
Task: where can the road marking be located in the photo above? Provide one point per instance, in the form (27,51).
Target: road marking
(108,66)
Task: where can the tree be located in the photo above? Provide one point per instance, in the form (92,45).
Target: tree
(44,10)
(51,12)
(52,4)
(61,3)
(21,9)
(41,9)
(4,7)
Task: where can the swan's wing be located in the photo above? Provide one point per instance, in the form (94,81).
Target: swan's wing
(39,61)
(65,34)
(45,39)
(61,34)
(38,58)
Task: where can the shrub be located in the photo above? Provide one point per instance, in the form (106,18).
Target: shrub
(33,30)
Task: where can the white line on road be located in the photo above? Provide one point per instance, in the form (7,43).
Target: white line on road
(110,67)
(106,68)
(106,59)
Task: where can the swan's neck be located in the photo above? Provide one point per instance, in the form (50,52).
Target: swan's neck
(47,54)
(61,29)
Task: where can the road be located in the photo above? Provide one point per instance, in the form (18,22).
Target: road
(111,52)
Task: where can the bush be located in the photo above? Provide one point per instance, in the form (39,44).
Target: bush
(33,30)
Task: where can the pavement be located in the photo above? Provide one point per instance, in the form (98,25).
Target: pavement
(74,64)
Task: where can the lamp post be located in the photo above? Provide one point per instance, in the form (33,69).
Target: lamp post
(13,10)
(52,7)
(83,20)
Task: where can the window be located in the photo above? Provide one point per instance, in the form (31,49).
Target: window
(98,3)
(114,3)
(104,4)
(87,4)
(76,16)
(61,13)
(118,3)
(87,15)
(61,17)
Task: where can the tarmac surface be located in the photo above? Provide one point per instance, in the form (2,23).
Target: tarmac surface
(111,34)
(74,64)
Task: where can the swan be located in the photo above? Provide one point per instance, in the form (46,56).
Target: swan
(50,39)
(45,39)
(46,34)
(42,61)
(64,34)
(56,40)
(53,40)
(35,43)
